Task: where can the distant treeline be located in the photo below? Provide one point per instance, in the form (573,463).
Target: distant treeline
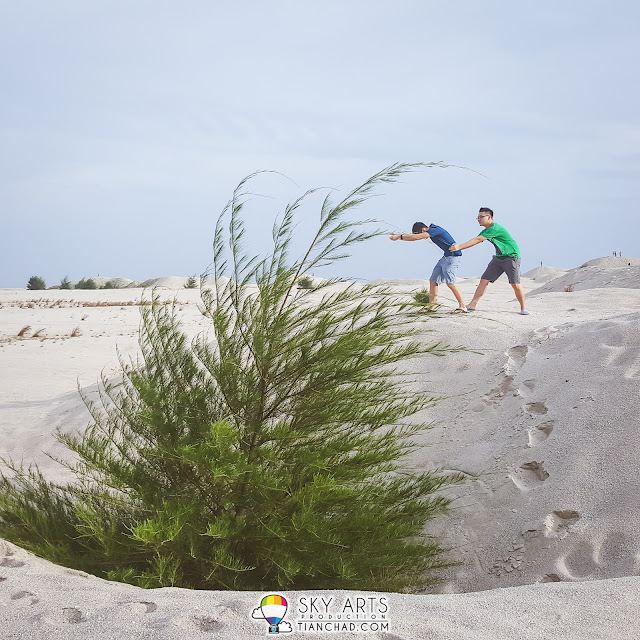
(36,283)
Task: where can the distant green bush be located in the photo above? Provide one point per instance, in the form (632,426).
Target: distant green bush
(192,283)
(89,283)
(110,284)
(36,283)
(305,283)
(64,283)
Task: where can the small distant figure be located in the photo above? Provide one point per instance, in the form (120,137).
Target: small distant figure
(614,254)
(506,260)
(446,267)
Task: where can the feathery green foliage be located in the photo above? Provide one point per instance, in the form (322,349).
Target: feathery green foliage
(110,284)
(36,284)
(191,283)
(88,283)
(266,453)
(305,283)
(422,298)
(65,283)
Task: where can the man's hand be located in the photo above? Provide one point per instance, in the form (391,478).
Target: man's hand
(454,247)
(395,236)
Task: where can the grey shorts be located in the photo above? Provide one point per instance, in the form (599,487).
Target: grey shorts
(445,270)
(500,265)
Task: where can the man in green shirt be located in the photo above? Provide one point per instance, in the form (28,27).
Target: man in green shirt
(506,260)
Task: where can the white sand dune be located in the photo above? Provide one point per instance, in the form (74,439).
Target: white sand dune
(166,282)
(543,273)
(544,419)
(613,262)
(596,274)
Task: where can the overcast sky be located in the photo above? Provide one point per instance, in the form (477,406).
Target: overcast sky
(126,125)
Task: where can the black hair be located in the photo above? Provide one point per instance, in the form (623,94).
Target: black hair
(486,210)
(418,227)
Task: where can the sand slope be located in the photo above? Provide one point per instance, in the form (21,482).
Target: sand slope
(596,274)
(544,273)
(543,418)
(554,440)
(38,599)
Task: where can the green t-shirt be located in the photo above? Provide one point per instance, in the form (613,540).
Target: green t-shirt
(501,239)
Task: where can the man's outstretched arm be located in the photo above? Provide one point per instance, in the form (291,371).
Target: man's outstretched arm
(410,236)
(466,245)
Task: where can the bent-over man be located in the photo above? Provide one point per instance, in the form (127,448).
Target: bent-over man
(446,267)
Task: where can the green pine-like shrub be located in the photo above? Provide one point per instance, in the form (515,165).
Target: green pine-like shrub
(88,283)
(267,452)
(305,283)
(191,283)
(36,283)
(65,283)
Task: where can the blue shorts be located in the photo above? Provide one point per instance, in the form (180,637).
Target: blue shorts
(445,270)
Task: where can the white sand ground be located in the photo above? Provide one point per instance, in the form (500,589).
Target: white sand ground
(544,419)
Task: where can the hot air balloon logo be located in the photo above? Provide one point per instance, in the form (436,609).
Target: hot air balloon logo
(273,609)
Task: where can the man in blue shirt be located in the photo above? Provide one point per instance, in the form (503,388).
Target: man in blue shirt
(446,267)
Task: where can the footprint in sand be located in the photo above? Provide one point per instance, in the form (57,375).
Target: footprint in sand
(11,563)
(515,359)
(6,557)
(529,384)
(66,615)
(479,406)
(536,408)
(557,523)
(613,558)
(199,623)
(529,476)
(540,433)
(142,607)
(533,540)
(551,577)
(19,599)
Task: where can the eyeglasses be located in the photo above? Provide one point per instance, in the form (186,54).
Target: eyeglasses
(486,215)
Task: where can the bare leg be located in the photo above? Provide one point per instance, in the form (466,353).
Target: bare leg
(457,294)
(519,294)
(433,291)
(480,289)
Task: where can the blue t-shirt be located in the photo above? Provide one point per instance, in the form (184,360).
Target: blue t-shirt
(443,239)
